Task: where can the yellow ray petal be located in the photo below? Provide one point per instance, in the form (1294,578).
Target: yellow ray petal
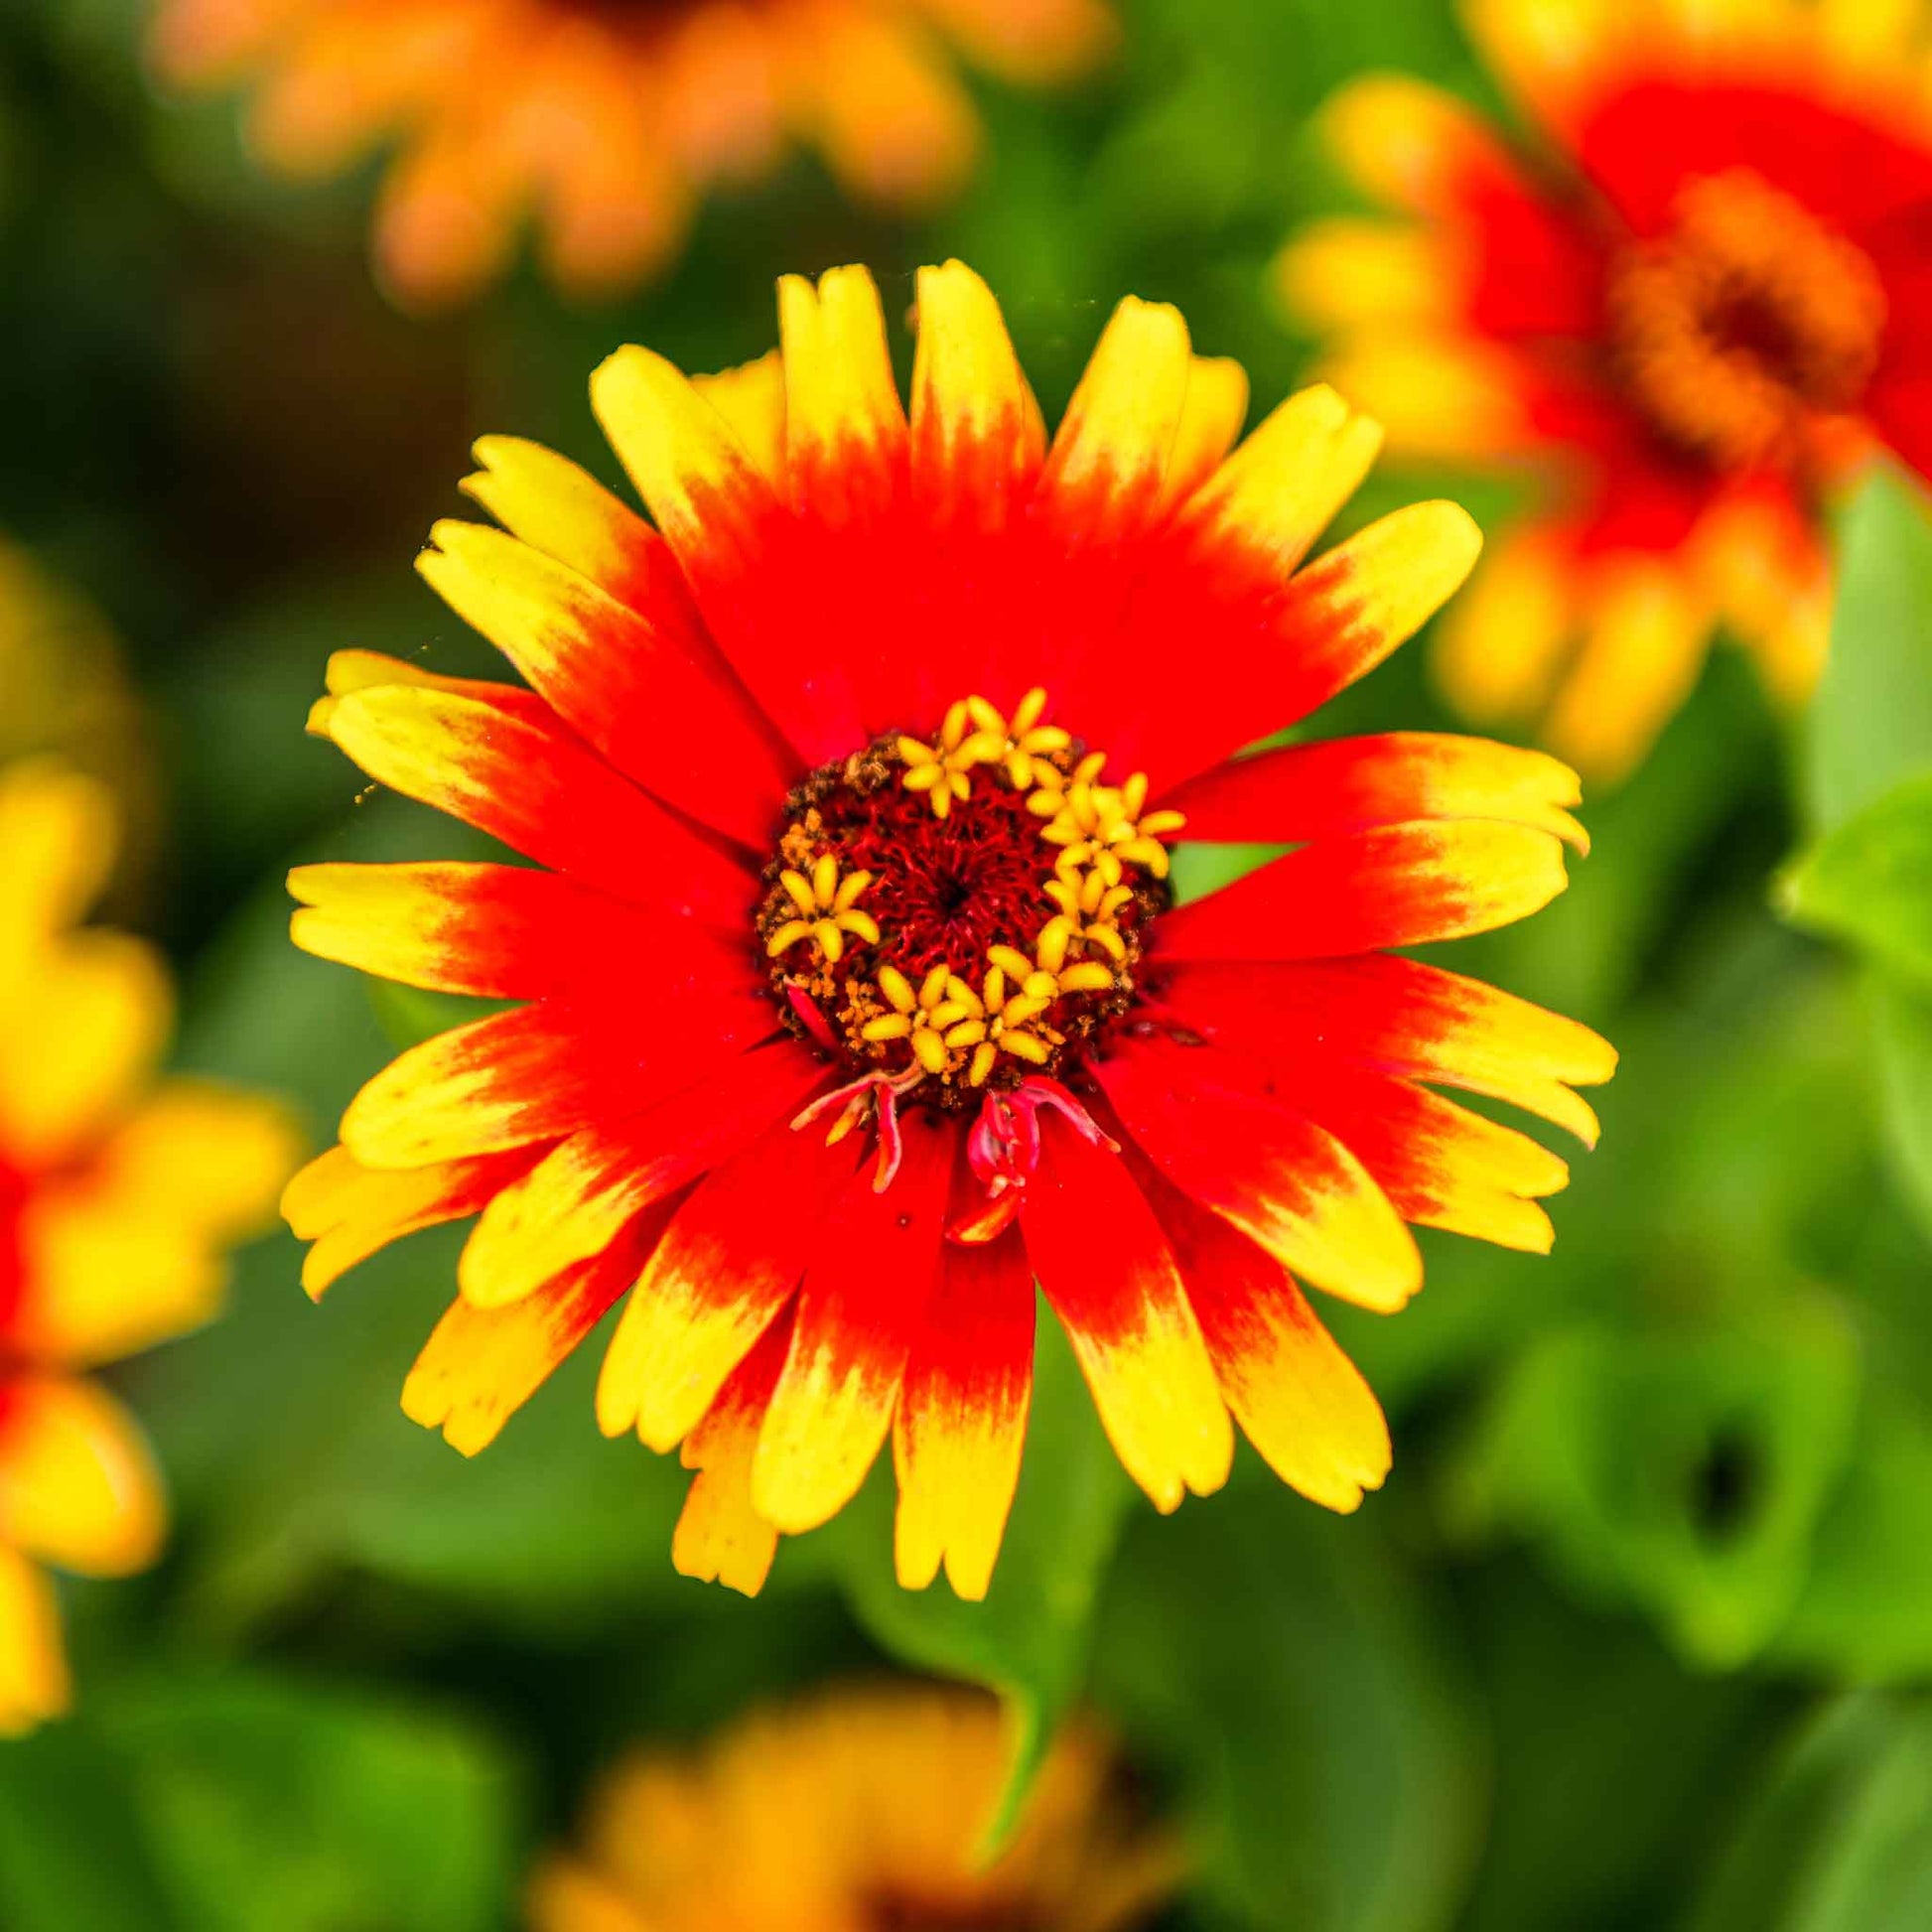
(33,1680)
(77,1485)
(1211,416)
(752,399)
(1280,488)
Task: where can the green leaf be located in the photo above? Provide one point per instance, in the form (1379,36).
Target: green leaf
(1870,724)
(1836,1840)
(1870,882)
(1867,1608)
(1685,1473)
(1869,770)
(1901,1020)
(1030,1640)
(73,1853)
(305,1459)
(1295,1675)
(342,1809)
(1591,1717)
(205,1803)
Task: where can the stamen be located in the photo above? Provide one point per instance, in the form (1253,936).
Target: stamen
(881,1092)
(828,905)
(1007,892)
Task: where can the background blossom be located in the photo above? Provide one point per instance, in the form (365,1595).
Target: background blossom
(1685,301)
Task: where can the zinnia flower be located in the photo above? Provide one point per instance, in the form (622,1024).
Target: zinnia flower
(852,997)
(117,1197)
(860,1811)
(606,119)
(1686,320)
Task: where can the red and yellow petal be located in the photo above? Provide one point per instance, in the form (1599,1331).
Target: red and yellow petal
(961,1421)
(727,1267)
(348,1213)
(481,1365)
(1300,792)
(1391,885)
(720,1537)
(1299,638)
(560,509)
(580,1195)
(502,770)
(1110,1276)
(859,1308)
(1400,1016)
(1297,1398)
(534,1073)
(845,427)
(846,465)
(976,437)
(1440,1166)
(354,669)
(610,670)
(77,1485)
(1282,1177)
(1277,493)
(731,535)
(1106,471)
(500,933)
(978,443)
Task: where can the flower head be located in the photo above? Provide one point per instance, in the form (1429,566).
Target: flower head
(117,1198)
(826,1059)
(604,120)
(861,1808)
(1685,320)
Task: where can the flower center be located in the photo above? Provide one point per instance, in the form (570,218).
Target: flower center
(949,917)
(1743,320)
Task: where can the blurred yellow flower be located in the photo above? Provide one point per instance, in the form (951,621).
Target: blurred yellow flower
(603,119)
(63,690)
(117,1197)
(860,1812)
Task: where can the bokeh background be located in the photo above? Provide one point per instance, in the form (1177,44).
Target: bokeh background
(1631,1640)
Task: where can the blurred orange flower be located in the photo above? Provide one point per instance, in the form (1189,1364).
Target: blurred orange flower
(117,1197)
(606,118)
(863,1810)
(1686,322)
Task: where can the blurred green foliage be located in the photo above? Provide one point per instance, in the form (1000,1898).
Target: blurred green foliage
(1627,1643)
